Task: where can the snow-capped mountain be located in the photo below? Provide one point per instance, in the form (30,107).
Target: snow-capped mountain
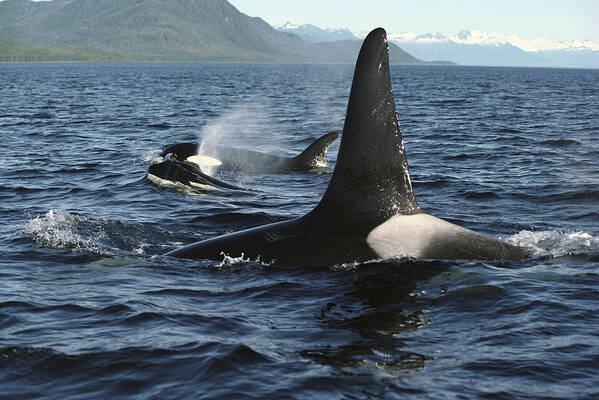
(475,47)
(496,39)
(314,34)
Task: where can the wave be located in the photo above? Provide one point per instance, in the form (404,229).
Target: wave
(509,130)
(561,142)
(222,218)
(160,126)
(42,115)
(450,101)
(33,372)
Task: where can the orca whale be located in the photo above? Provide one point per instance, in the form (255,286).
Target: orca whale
(368,210)
(173,170)
(248,161)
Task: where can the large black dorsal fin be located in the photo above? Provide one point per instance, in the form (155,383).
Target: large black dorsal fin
(371,180)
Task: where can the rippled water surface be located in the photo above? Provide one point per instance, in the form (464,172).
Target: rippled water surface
(90,309)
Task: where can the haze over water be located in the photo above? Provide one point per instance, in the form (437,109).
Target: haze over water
(90,309)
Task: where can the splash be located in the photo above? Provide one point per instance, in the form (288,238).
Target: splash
(354,265)
(556,244)
(152,157)
(60,230)
(241,261)
(228,260)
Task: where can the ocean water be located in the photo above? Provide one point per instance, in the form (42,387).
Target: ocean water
(89,307)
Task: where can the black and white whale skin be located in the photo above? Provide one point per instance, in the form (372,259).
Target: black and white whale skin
(175,171)
(254,162)
(369,210)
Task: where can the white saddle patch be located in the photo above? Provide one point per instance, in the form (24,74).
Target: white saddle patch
(204,161)
(410,235)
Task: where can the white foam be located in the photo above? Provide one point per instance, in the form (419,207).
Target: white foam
(556,244)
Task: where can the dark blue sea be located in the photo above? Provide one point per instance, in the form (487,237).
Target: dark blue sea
(91,309)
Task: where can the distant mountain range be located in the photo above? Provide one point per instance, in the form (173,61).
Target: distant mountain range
(475,47)
(314,34)
(214,30)
(158,30)
(489,48)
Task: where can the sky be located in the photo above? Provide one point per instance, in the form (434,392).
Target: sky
(558,19)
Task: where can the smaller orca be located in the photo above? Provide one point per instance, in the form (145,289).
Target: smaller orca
(173,170)
(248,161)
